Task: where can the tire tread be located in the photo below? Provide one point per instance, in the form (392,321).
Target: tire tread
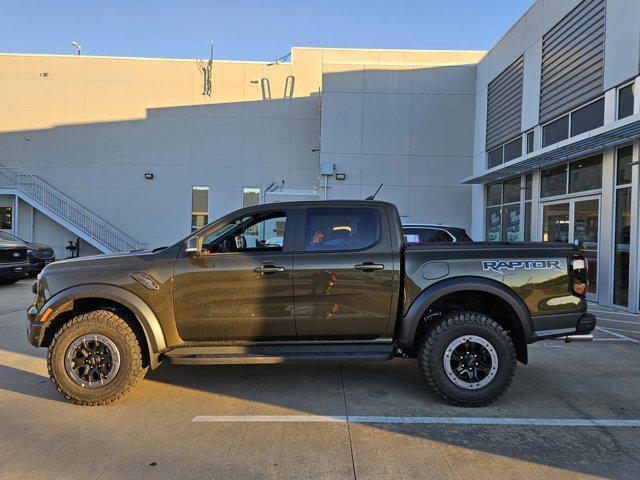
(109,319)
(448,322)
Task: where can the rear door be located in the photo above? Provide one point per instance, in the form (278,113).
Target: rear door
(344,273)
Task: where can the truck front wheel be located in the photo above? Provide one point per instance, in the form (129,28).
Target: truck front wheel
(468,359)
(95,358)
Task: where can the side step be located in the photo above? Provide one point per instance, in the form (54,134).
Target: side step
(276,354)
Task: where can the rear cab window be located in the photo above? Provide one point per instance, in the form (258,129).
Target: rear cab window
(341,229)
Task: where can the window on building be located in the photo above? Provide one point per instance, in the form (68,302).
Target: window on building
(585,174)
(587,118)
(513,149)
(578,176)
(504,153)
(199,207)
(6,216)
(622,226)
(250,196)
(555,131)
(495,157)
(528,196)
(553,181)
(511,191)
(503,211)
(626,96)
(579,121)
(530,140)
(341,229)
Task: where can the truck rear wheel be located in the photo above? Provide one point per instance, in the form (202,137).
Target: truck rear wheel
(95,358)
(468,359)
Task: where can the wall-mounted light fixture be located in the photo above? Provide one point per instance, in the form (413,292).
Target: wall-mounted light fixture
(148,176)
(341,176)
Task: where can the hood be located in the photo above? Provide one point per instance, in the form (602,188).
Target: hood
(8,244)
(38,246)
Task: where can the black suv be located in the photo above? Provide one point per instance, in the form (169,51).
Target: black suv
(39,254)
(419,233)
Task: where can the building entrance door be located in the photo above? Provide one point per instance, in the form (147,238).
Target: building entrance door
(575,220)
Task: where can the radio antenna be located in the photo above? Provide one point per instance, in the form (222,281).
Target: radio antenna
(372,197)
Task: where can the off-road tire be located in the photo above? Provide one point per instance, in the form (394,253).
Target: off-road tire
(453,325)
(101,322)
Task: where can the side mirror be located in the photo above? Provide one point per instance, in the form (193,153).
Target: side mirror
(193,247)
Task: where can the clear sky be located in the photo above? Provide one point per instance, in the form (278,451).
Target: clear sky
(250,29)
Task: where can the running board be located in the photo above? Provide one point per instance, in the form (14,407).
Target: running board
(276,354)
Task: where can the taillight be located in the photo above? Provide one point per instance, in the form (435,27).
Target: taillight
(579,281)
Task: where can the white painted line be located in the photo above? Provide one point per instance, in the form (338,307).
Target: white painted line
(269,418)
(615,329)
(610,340)
(619,335)
(538,422)
(618,321)
(626,314)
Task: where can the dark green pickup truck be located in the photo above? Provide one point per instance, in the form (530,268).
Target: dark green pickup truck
(308,281)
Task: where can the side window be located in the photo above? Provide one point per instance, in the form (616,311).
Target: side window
(262,232)
(341,228)
(442,237)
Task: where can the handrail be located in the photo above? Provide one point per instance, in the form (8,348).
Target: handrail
(68,208)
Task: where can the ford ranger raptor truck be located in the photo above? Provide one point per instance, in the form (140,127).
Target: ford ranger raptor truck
(339,284)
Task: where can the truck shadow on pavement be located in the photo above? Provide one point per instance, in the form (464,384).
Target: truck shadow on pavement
(28,383)
(397,389)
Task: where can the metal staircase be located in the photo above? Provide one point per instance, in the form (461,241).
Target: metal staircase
(70,213)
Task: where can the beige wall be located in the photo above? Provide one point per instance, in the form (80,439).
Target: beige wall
(93,126)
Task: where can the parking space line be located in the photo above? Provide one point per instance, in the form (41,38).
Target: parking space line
(618,321)
(613,312)
(536,422)
(619,335)
(610,340)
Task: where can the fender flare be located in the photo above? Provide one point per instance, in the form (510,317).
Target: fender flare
(409,323)
(151,327)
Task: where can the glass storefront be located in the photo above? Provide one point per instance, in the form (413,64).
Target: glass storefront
(555,223)
(622,227)
(567,203)
(586,217)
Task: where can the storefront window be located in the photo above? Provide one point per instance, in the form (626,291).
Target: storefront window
(554,181)
(493,224)
(527,221)
(503,211)
(511,223)
(585,174)
(494,194)
(555,223)
(511,191)
(622,227)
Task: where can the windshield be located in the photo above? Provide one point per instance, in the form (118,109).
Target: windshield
(10,238)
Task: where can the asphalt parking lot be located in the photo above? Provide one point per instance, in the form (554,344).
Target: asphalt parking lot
(574,411)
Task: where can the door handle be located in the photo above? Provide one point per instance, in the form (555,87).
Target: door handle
(268,269)
(368,267)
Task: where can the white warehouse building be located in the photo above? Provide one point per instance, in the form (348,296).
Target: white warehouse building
(536,139)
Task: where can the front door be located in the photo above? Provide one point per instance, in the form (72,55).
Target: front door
(241,287)
(344,274)
(575,221)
